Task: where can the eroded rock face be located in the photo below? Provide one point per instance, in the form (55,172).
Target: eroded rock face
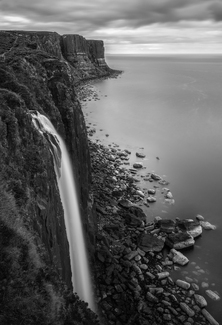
(35,76)
(85,55)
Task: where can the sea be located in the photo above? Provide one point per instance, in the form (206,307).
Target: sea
(170,108)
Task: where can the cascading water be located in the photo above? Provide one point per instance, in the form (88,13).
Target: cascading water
(79,263)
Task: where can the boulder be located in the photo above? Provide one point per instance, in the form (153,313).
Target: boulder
(125,203)
(155,177)
(178,257)
(199,217)
(140,193)
(183,284)
(140,155)
(179,240)
(151,191)
(213,295)
(138,165)
(166,225)
(138,212)
(170,201)
(169,195)
(131,255)
(163,275)
(187,309)
(207,225)
(157,219)
(150,297)
(163,182)
(191,226)
(150,243)
(132,220)
(200,301)
(151,199)
(210,318)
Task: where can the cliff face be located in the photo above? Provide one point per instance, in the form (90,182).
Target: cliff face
(38,71)
(85,55)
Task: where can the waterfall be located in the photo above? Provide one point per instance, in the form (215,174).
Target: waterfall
(79,263)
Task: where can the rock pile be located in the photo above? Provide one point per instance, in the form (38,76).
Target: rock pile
(133,282)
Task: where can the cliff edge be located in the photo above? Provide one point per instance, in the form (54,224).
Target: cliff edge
(38,71)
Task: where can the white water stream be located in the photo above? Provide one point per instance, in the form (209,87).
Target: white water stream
(79,262)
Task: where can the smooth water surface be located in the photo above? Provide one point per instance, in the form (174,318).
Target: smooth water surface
(172,107)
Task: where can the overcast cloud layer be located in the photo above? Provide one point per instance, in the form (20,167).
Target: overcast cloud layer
(126,26)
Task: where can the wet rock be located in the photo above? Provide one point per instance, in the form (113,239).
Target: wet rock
(140,193)
(132,220)
(183,284)
(187,309)
(150,275)
(150,243)
(140,155)
(138,212)
(150,297)
(178,257)
(151,191)
(170,201)
(163,275)
(157,219)
(192,227)
(213,295)
(179,240)
(210,318)
(200,300)
(163,182)
(151,199)
(204,285)
(131,255)
(169,195)
(138,165)
(155,177)
(195,286)
(166,225)
(125,203)
(199,217)
(207,225)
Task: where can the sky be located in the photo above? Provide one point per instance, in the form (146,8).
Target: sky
(125,26)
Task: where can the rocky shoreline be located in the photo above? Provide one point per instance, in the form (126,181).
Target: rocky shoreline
(134,258)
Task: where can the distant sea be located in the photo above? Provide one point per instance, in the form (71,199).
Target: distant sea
(171,107)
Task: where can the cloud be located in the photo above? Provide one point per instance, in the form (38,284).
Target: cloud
(135,22)
(216,10)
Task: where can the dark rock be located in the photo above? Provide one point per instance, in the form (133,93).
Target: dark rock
(150,297)
(151,191)
(140,155)
(138,165)
(150,243)
(166,225)
(179,240)
(155,177)
(125,203)
(192,227)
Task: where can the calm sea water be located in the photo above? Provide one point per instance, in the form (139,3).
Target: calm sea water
(171,106)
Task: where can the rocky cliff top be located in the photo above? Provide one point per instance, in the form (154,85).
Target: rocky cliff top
(85,56)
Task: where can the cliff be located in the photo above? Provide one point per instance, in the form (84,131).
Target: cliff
(38,71)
